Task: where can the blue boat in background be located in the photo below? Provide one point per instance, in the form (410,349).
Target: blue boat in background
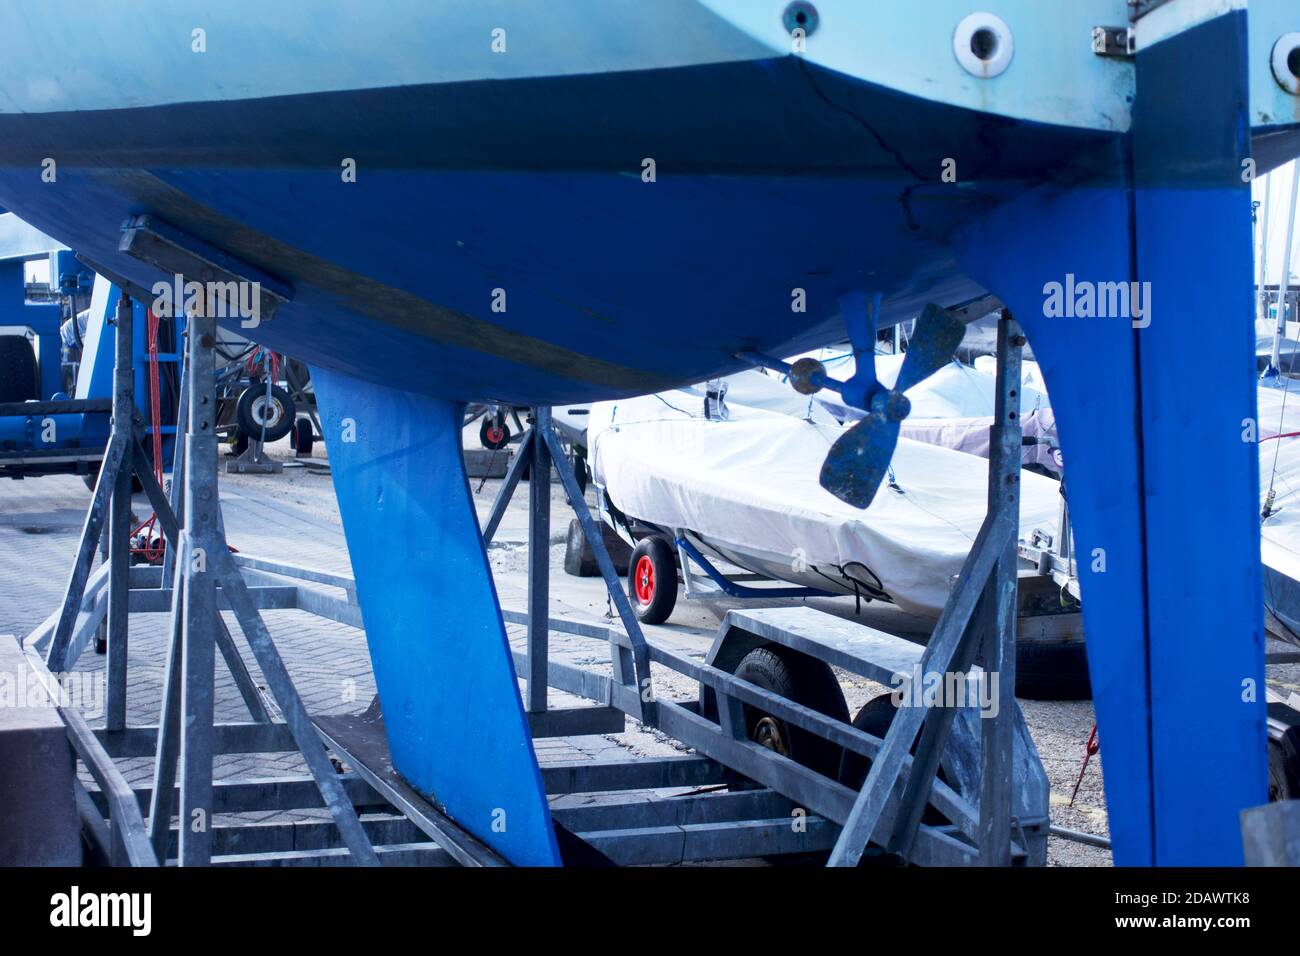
(575,201)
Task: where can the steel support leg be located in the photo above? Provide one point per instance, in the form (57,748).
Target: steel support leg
(196,551)
(295,712)
(56,654)
(119,518)
(991,630)
(168,747)
(949,650)
(613,583)
(225,643)
(997,620)
(929,750)
(539,564)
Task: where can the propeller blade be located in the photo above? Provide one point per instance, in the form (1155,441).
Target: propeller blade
(857,462)
(934,340)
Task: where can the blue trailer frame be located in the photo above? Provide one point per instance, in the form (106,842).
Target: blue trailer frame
(58,432)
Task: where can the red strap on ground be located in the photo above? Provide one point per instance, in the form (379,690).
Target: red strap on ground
(152,548)
(1090,748)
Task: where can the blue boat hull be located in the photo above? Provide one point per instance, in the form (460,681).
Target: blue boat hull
(773,174)
(605,276)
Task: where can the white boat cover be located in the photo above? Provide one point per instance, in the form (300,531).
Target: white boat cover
(750,482)
(1279,465)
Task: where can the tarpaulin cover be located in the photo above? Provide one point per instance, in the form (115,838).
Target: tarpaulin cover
(751,483)
(1279,414)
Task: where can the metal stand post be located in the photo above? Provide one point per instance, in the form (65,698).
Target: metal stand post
(119,519)
(197,576)
(631,664)
(997,623)
(539,563)
(197,595)
(204,569)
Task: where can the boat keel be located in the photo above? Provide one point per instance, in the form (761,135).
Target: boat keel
(456,725)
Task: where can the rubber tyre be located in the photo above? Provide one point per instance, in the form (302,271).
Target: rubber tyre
(1284,766)
(805,681)
(302,437)
(874,718)
(652,580)
(491,437)
(18,375)
(1052,670)
(247,418)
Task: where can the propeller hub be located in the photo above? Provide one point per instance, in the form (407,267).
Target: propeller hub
(804,375)
(890,405)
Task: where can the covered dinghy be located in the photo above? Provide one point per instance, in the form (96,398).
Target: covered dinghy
(748,486)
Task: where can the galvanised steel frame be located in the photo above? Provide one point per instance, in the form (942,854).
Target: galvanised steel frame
(199,569)
(374,814)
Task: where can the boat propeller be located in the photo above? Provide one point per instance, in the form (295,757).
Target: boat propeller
(859,459)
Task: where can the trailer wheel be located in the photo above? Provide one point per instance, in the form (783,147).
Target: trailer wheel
(874,718)
(652,580)
(18,378)
(1284,765)
(302,437)
(805,681)
(493,436)
(1052,670)
(254,410)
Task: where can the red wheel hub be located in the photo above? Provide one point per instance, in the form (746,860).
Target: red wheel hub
(643,579)
(495,434)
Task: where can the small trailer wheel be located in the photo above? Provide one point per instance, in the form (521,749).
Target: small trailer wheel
(1284,765)
(805,681)
(493,435)
(874,718)
(652,580)
(1052,670)
(301,438)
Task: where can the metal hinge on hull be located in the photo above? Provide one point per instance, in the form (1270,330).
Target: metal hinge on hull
(1114,41)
